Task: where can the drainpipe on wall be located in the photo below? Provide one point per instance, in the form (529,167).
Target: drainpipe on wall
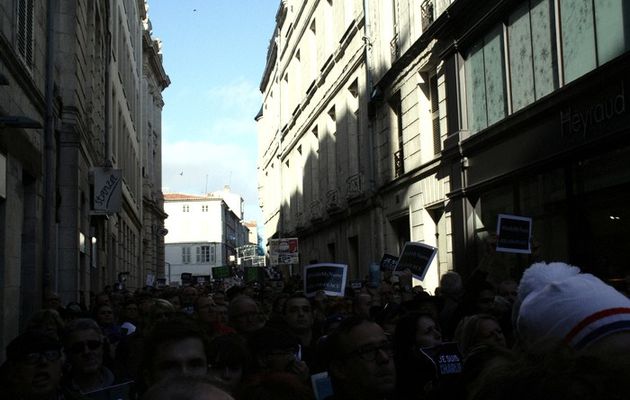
(375,220)
(367,39)
(49,253)
(107,245)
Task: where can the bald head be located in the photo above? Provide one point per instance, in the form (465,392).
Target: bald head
(244,315)
(186,387)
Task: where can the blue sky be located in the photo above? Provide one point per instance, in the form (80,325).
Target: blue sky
(214,52)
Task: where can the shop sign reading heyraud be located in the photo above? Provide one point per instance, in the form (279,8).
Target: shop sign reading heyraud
(580,122)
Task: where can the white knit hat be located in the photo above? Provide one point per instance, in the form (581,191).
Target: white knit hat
(558,303)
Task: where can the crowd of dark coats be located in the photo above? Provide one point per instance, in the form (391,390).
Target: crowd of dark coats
(269,341)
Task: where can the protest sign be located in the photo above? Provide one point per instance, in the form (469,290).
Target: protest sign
(322,385)
(447,358)
(514,234)
(186,278)
(150,281)
(375,275)
(221,272)
(253,274)
(201,279)
(388,262)
(283,251)
(356,284)
(416,257)
(331,278)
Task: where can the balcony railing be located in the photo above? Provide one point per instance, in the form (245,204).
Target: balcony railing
(399,165)
(427,14)
(394,48)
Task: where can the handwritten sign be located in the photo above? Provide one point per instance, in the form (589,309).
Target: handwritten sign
(331,278)
(388,262)
(514,234)
(416,257)
(107,190)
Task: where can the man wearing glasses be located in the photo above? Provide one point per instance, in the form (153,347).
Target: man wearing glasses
(33,367)
(361,363)
(244,315)
(84,346)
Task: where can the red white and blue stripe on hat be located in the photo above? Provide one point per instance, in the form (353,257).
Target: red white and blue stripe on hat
(597,326)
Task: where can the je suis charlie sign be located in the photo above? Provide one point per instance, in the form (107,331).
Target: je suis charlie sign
(331,278)
(514,234)
(417,257)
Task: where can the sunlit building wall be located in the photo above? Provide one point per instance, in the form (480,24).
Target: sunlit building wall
(154,81)
(473,109)
(408,116)
(315,158)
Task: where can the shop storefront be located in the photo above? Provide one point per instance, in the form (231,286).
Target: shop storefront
(563,161)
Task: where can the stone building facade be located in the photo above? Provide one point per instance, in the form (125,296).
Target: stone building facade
(315,166)
(81,93)
(464,110)
(353,150)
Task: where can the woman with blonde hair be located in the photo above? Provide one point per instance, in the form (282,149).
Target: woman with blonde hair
(478,329)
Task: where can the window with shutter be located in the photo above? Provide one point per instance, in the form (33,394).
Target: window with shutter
(25,29)
(435,114)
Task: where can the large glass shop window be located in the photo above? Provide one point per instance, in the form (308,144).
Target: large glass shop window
(592,32)
(533,67)
(485,78)
(578,38)
(612,23)
(591,36)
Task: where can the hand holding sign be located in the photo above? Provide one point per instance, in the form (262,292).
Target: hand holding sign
(514,234)
(416,257)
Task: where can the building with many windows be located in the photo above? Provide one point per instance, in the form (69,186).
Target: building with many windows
(80,109)
(316,173)
(203,232)
(452,112)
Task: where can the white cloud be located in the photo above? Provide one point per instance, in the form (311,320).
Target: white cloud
(211,142)
(242,94)
(198,166)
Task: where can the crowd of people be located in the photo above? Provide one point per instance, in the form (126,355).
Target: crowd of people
(557,333)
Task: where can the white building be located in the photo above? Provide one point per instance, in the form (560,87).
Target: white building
(233,200)
(203,232)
